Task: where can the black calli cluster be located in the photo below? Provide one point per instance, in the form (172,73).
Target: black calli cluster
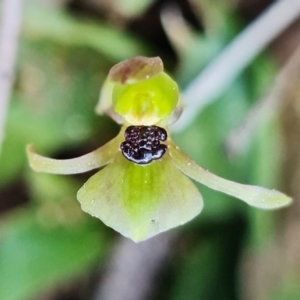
(142,143)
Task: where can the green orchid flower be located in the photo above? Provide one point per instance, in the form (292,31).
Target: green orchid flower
(144,188)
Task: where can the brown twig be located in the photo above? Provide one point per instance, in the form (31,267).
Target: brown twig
(9,33)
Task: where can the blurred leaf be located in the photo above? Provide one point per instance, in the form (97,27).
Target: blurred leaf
(49,243)
(222,25)
(34,256)
(58,26)
(205,270)
(218,16)
(56,189)
(265,169)
(288,288)
(266,163)
(53,106)
(194,278)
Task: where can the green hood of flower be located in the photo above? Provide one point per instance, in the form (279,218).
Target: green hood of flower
(142,93)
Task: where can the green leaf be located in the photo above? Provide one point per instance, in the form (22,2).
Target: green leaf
(56,96)
(204,262)
(35,256)
(48,23)
(140,201)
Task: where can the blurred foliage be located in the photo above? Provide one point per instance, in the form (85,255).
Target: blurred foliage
(200,274)
(60,27)
(35,254)
(220,25)
(63,61)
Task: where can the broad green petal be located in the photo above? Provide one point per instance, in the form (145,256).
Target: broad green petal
(140,201)
(95,159)
(253,195)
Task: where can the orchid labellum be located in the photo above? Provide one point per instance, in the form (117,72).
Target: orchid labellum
(144,188)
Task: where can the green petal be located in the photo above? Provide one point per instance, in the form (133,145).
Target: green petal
(140,201)
(253,195)
(95,159)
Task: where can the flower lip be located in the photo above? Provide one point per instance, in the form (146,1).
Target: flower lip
(142,144)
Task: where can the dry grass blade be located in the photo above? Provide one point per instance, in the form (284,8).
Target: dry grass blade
(240,136)
(10,29)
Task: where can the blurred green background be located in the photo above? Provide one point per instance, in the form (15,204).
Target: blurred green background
(49,248)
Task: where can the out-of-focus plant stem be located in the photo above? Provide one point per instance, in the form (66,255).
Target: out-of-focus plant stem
(132,270)
(239,137)
(9,33)
(218,75)
(177,29)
